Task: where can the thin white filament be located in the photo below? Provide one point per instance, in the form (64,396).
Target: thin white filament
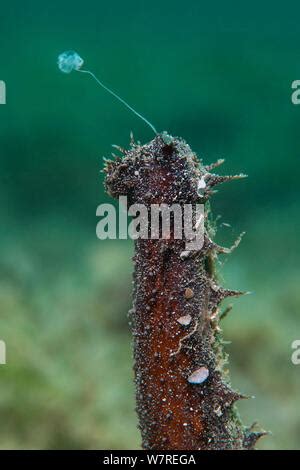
(119,98)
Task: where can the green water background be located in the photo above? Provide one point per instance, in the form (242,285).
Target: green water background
(219,75)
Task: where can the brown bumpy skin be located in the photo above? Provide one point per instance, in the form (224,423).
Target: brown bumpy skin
(175,312)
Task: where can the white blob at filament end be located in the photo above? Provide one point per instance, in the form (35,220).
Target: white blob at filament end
(70,60)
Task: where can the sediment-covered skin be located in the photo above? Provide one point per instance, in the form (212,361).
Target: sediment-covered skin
(184,400)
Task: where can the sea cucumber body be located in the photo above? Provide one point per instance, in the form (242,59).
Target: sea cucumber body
(175,414)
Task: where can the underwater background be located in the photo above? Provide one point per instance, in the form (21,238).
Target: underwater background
(217,74)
